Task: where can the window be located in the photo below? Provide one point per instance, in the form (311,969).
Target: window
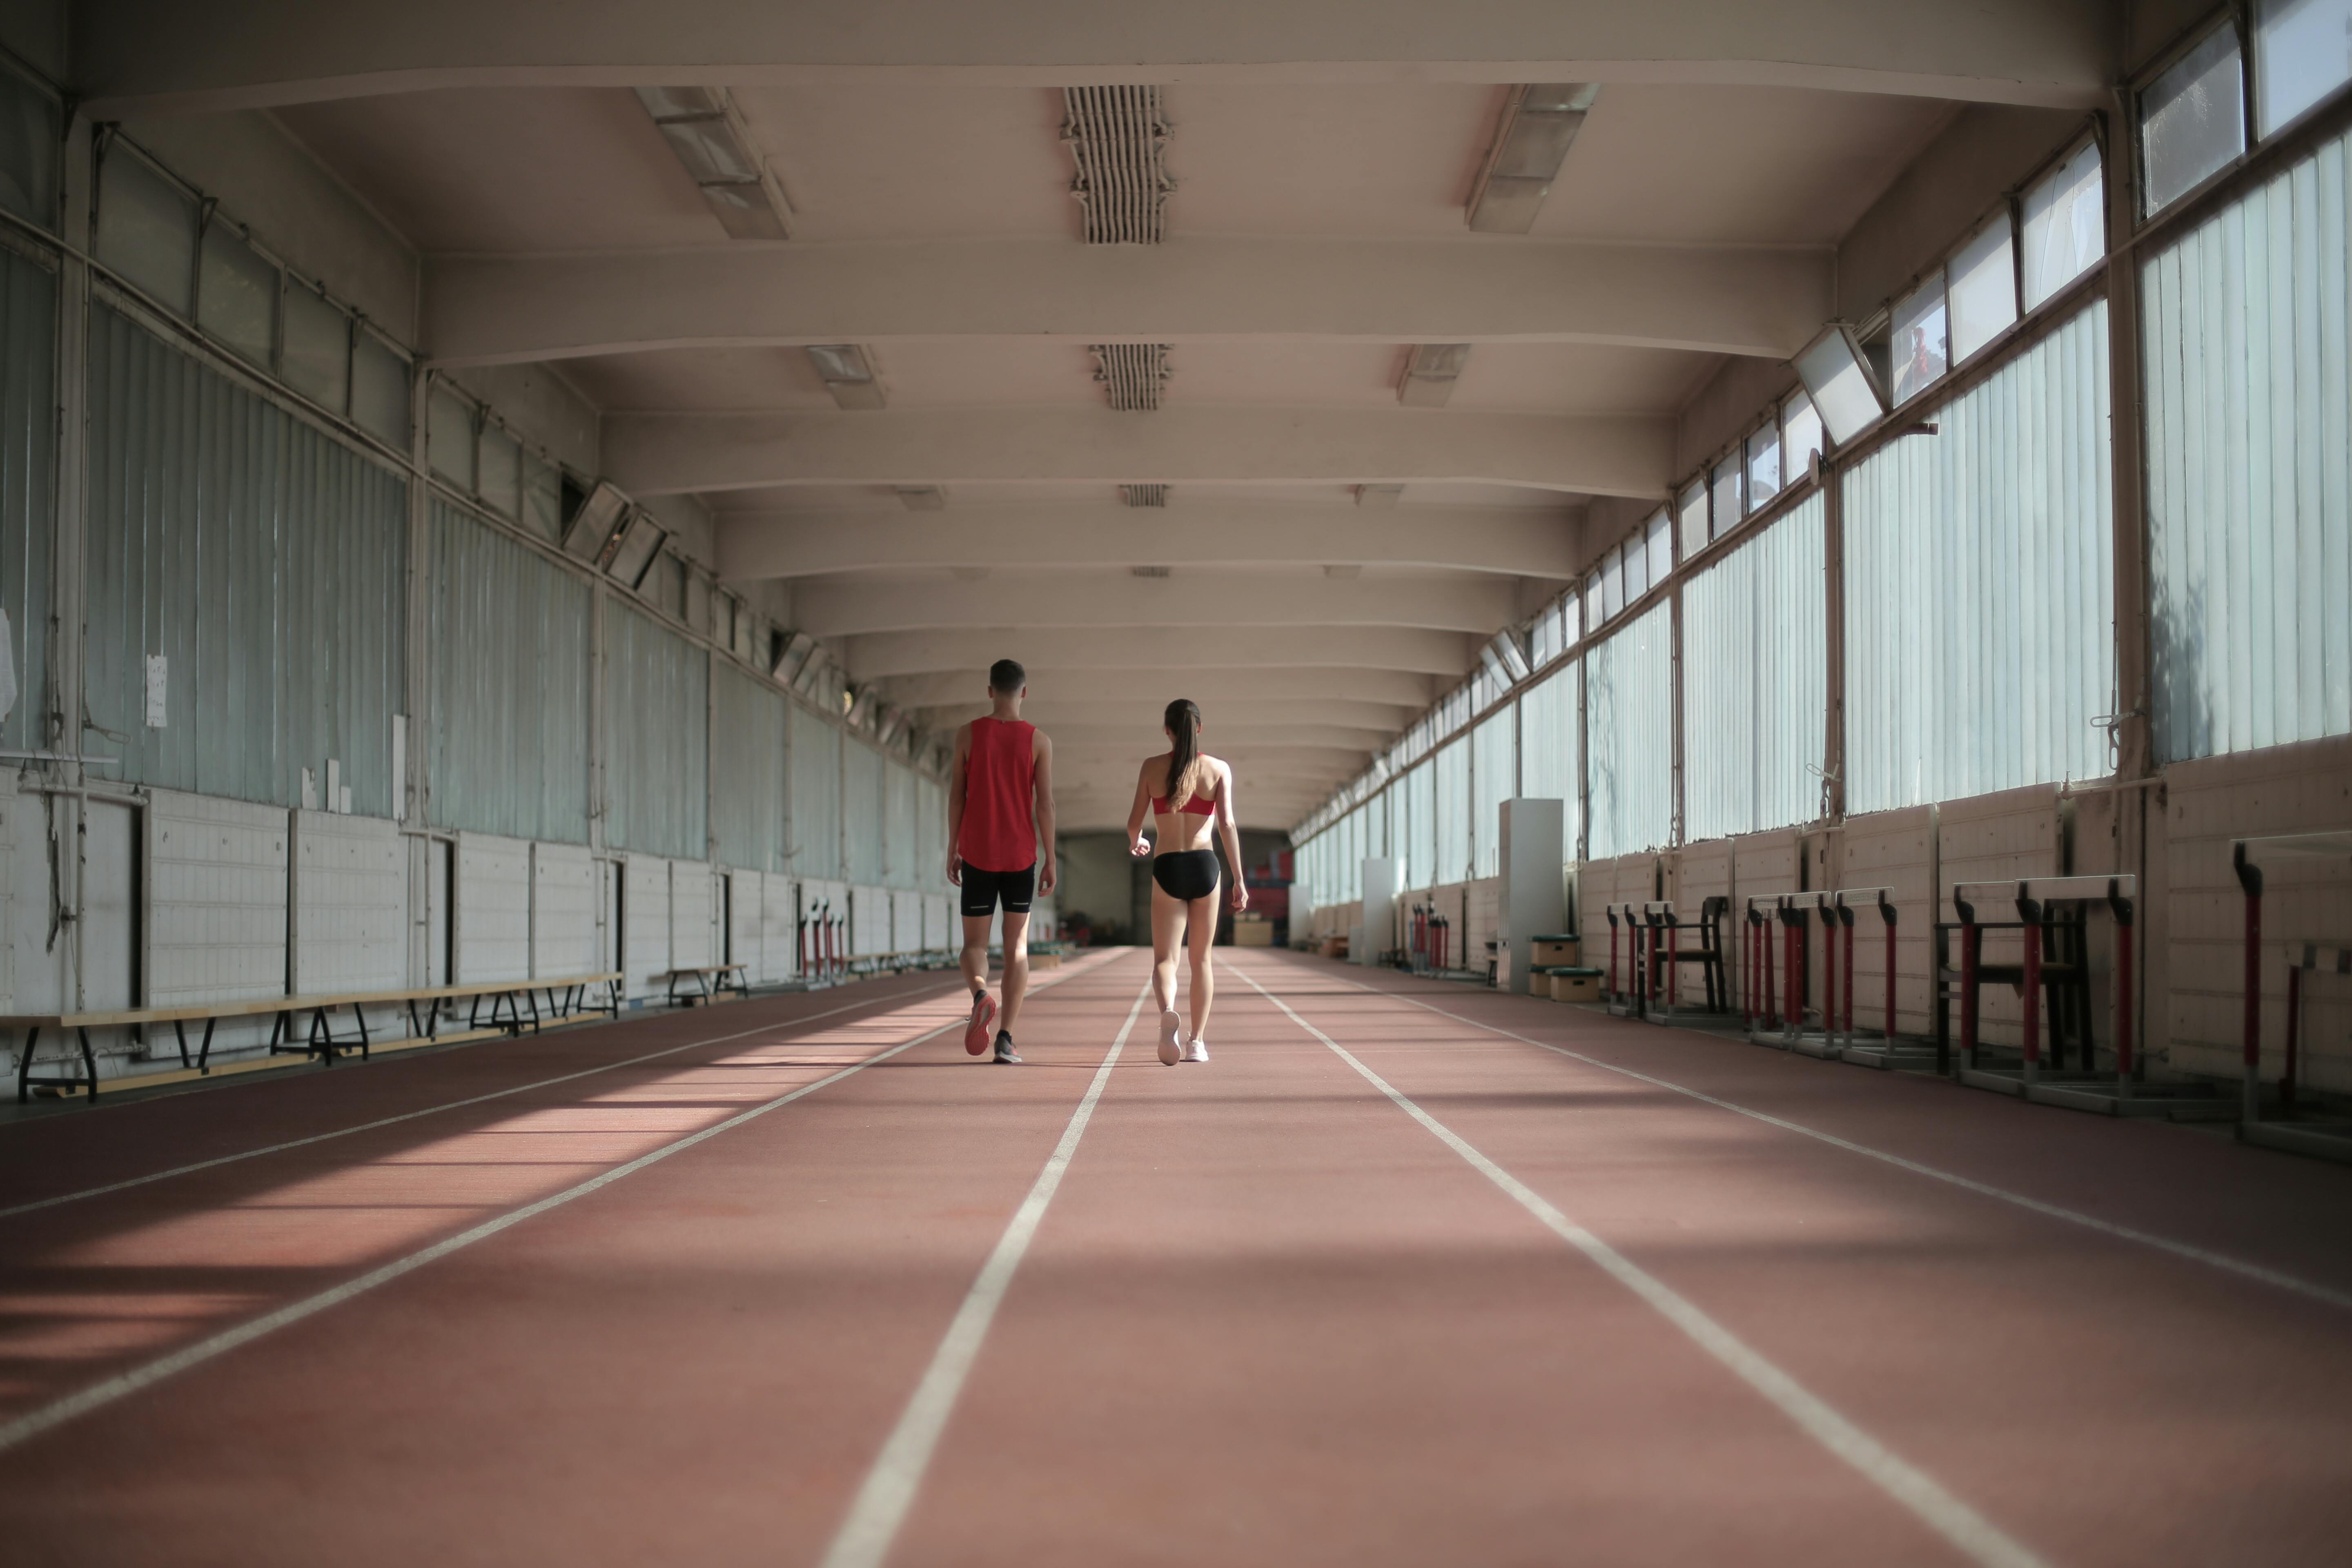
(147,228)
(1660,546)
(1596,608)
(2192,119)
(1724,487)
(1637,567)
(2303,52)
(2065,226)
(1763,466)
(501,484)
(1983,288)
(1612,583)
(29,138)
(380,390)
(449,439)
(1801,435)
(316,360)
(236,296)
(1841,388)
(1493,779)
(1921,349)
(1691,509)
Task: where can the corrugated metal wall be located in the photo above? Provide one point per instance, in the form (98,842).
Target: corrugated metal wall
(898,825)
(861,806)
(931,833)
(28,463)
(1549,742)
(1493,779)
(656,711)
(507,750)
(747,794)
(2249,367)
(1756,681)
(1629,741)
(263,558)
(814,762)
(1978,587)
(1420,826)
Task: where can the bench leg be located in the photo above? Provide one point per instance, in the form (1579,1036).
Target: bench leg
(25,1065)
(204,1056)
(180,1033)
(359,1015)
(88,1061)
(320,1041)
(535,1026)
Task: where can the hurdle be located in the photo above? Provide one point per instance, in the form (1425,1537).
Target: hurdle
(1620,1003)
(1775,973)
(1883,1047)
(2304,1135)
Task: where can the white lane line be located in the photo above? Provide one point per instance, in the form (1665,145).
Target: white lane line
(1967,1530)
(2194,1254)
(59,1412)
(477,1100)
(882,1503)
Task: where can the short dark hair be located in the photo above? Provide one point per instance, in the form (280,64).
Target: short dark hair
(1006,677)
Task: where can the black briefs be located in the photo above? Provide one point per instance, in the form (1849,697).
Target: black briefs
(1186,874)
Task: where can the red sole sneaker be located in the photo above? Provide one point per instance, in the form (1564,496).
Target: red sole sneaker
(978,1034)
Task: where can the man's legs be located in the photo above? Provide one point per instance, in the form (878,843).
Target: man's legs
(1017,963)
(975,951)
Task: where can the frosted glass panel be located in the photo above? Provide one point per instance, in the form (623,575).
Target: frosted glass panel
(1984,289)
(1690,508)
(2193,119)
(2303,52)
(1840,387)
(2065,226)
(317,359)
(147,230)
(1801,435)
(237,297)
(1922,346)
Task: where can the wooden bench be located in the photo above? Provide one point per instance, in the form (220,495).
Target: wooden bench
(708,980)
(564,997)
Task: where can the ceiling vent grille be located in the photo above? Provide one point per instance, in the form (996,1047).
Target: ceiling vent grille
(1116,135)
(1131,374)
(1143,495)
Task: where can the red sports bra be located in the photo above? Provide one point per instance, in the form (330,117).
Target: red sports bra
(1195,806)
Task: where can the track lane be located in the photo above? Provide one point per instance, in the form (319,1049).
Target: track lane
(1271,1322)
(680,1366)
(2108,1402)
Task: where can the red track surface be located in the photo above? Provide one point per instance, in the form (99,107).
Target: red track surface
(1269,1318)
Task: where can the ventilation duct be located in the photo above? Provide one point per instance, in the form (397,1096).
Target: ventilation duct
(1143,495)
(708,137)
(1131,374)
(1430,373)
(1531,141)
(1116,136)
(848,375)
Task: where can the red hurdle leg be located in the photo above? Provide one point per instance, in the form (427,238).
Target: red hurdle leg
(2124,1003)
(1613,959)
(1968,939)
(1771,1002)
(2032,999)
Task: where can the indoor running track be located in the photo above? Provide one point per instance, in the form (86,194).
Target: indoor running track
(1409,1274)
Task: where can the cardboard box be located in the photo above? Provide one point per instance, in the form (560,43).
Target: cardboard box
(1570,984)
(1252,933)
(1555,952)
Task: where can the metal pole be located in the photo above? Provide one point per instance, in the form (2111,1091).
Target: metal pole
(1969,937)
(2250,878)
(2031,913)
(2294,1020)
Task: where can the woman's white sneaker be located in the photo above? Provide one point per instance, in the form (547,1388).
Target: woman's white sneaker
(1196,1051)
(1171,1038)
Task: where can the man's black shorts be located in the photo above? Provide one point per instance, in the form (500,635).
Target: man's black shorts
(982,888)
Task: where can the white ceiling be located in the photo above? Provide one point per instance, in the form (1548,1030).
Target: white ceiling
(908,161)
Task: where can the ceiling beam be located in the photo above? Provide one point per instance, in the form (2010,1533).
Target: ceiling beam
(1146,689)
(1220,711)
(481,309)
(1140,740)
(964,655)
(1213,601)
(664,453)
(167,56)
(1516,541)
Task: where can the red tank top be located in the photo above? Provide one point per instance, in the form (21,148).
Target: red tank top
(1000,795)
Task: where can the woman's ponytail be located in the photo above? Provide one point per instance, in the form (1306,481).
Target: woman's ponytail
(1183,721)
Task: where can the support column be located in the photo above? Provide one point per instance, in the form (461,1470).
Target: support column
(68,607)
(1834,769)
(412,807)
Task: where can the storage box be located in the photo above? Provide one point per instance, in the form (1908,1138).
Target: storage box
(1554,951)
(1572,983)
(1252,933)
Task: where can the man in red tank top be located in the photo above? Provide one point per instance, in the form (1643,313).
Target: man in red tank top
(1000,828)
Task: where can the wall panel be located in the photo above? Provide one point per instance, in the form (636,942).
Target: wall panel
(815,764)
(1756,681)
(564,938)
(492,901)
(748,749)
(351,903)
(1629,736)
(216,887)
(29,452)
(656,712)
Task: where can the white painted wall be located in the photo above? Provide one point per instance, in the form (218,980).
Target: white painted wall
(216,887)
(564,937)
(779,939)
(644,942)
(693,915)
(493,907)
(351,903)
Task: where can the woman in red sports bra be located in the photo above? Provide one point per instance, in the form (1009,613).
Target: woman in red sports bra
(1191,798)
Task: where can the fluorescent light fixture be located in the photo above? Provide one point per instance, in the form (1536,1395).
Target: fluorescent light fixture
(1143,495)
(848,375)
(1843,391)
(1378,496)
(1150,570)
(923,498)
(1430,372)
(1539,124)
(707,136)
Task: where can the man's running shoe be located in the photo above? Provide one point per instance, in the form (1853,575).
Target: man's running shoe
(1195,1051)
(1171,1038)
(1004,1051)
(984,1017)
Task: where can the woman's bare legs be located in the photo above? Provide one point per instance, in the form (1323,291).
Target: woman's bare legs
(1200,935)
(1167,934)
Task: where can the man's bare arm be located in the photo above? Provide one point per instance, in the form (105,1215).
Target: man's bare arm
(958,772)
(1048,872)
